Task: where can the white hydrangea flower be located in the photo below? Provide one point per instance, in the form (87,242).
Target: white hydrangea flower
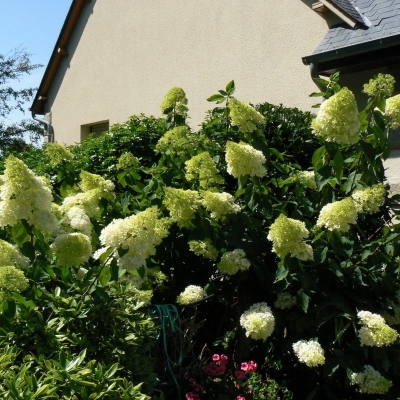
(139,234)
(287,236)
(233,261)
(258,321)
(375,331)
(72,249)
(79,221)
(219,204)
(191,294)
(243,159)
(244,116)
(338,215)
(204,248)
(310,353)
(371,381)
(203,168)
(306,178)
(23,195)
(392,110)
(337,119)
(10,255)
(369,199)
(13,279)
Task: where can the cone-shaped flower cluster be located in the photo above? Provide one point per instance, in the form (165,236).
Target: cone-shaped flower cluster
(369,199)
(175,99)
(338,215)
(72,249)
(243,159)
(128,162)
(258,321)
(10,255)
(393,110)
(181,204)
(244,116)
(287,236)
(57,153)
(204,248)
(233,261)
(380,85)
(139,234)
(202,168)
(337,119)
(371,381)
(23,195)
(13,279)
(219,204)
(310,353)
(307,179)
(374,331)
(191,294)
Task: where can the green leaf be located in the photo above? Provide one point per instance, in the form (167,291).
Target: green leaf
(105,276)
(317,94)
(303,300)
(76,361)
(230,87)
(114,270)
(9,309)
(112,370)
(216,97)
(281,273)
(337,164)
(322,176)
(318,159)
(321,81)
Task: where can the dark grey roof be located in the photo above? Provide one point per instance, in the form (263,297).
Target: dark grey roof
(384,16)
(350,9)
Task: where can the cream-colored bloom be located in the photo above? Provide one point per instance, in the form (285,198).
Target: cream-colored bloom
(310,353)
(91,182)
(258,321)
(139,234)
(380,85)
(338,215)
(219,204)
(73,249)
(233,261)
(285,301)
(371,381)
(243,159)
(204,248)
(57,153)
(244,116)
(10,255)
(176,100)
(25,196)
(13,279)
(306,178)
(287,236)
(374,331)
(191,294)
(128,162)
(393,111)
(203,168)
(369,199)
(182,205)
(337,119)
(78,220)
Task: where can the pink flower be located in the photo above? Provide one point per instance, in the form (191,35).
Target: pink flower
(215,357)
(196,386)
(240,375)
(224,358)
(252,366)
(240,398)
(244,366)
(192,396)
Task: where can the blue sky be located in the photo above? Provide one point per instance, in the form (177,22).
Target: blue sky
(35,26)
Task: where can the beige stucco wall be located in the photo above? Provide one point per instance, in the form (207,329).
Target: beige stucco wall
(125,55)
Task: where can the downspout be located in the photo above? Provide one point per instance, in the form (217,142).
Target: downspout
(48,131)
(314,75)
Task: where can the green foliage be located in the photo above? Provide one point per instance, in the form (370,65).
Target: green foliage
(347,268)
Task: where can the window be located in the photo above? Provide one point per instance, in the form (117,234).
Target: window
(95,128)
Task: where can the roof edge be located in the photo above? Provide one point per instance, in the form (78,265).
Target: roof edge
(59,52)
(359,48)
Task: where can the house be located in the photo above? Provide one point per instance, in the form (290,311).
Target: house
(114,59)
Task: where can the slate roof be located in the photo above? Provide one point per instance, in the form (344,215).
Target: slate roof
(384,16)
(350,9)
